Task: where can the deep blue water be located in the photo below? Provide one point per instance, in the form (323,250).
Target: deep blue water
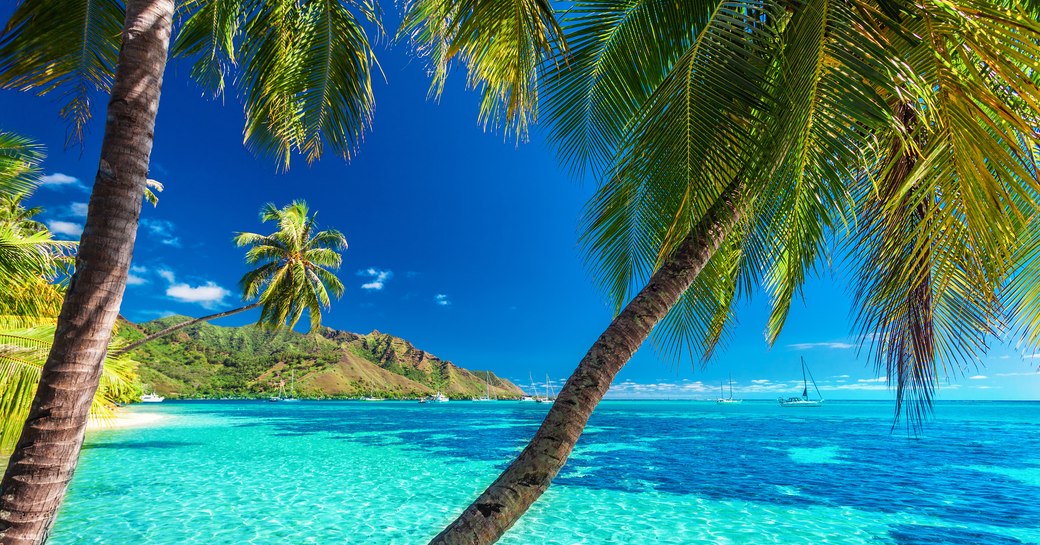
(644,472)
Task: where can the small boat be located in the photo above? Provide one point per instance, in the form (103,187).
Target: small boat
(372,399)
(526,398)
(439,398)
(723,399)
(487,389)
(422,400)
(804,401)
(550,395)
(281,393)
(292,389)
(152,398)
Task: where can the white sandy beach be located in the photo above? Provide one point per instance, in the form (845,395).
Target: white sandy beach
(126,418)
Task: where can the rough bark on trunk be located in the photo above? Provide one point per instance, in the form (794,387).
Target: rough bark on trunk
(182,325)
(509,497)
(44,460)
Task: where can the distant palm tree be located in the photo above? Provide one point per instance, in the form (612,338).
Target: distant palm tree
(734,138)
(294,273)
(305,80)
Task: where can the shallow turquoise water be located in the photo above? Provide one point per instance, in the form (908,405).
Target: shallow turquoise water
(645,472)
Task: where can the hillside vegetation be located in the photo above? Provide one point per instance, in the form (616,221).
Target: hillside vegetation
(207,361)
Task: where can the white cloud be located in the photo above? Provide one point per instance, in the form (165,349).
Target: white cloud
(1031,357)
(139,269)
(208,295)
(60,181)
(378,278)
(78,209)
(831,345)
(134,280)
(761,381)
(877,379)
(65,228)
(840,376)
(1020,374)
(166,274)
(978,377)
(162,229)
(441,299)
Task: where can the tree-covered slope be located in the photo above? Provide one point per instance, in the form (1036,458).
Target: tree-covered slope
(205,360)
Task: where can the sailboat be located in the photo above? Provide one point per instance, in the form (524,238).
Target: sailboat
(487,388)
(550,395)
(281,393)
(292,388)
(534,390)
(804,401)
(723,399)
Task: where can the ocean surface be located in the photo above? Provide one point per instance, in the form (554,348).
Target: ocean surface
(643,473)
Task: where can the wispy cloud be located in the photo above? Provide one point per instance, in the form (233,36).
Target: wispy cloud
(166,274)
(377,278)
(69,228)
(831,345)
(441,299)
(1019,374)
(58,180)
(163,230)
(978,377)
(78,209)
(134,280)
(875,379)
(209,295)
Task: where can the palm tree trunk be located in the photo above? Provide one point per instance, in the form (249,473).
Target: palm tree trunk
(44,460)
(182,325)
(509,497)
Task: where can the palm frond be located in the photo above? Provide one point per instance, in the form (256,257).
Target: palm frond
(502,44)
(63,46)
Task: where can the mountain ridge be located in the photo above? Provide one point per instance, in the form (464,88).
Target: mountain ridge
(210,361)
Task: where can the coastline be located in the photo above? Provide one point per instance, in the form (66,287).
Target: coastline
(123,418)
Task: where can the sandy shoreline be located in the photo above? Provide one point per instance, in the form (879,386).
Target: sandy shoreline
(124,418)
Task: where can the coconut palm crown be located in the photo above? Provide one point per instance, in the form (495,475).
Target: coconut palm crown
(295,265)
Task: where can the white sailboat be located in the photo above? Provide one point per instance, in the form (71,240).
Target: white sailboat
(292,388)
(534,390)
(440,398)
(804,401)
(281,393)
(550,395)
(487,388)
(152,398)
(723,399)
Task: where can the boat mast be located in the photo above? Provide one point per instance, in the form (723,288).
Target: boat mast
(731,386)
(805,384)
(814,384)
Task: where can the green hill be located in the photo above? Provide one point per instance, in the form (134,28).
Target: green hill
(205,361)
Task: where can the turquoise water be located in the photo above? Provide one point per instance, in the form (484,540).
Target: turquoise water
(645,472)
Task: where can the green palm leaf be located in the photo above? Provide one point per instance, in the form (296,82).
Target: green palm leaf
(64,46)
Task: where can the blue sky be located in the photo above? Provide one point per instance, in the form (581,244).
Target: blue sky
(460,241)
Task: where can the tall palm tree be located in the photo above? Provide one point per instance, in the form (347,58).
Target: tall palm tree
(305,81)
(294,272)
(733,138)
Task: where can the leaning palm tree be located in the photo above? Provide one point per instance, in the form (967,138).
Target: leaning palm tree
(734,138)
(294,273)
(305,82)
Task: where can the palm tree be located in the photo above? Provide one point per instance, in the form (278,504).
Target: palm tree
(30,298)
(305,81)
(734,138)
(294,273)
